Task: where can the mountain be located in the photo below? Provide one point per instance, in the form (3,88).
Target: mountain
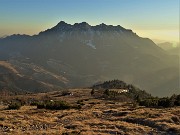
(170,48)
(80,55)
(166,45)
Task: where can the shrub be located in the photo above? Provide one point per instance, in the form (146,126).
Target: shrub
(80,102)
(55,105)
(65,92)
(163,102)
(177,101)
(2,118)
(92,92)
(40,105)
(149,102)
(107,92)
(22,101)
(166,102)
(77,106)
(61,105)
(34,103)
(14,106)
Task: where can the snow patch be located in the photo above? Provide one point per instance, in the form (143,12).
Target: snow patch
(89,43)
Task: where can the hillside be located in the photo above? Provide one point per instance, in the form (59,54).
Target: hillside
(80,55)
(96,116)
(12,81)
(132,91)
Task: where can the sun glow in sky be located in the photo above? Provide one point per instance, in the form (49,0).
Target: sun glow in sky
(155,19)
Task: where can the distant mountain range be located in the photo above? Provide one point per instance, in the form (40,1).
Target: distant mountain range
(80,55)
(169,47)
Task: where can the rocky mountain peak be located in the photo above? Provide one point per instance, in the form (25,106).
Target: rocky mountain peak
(62,23)
(84,26)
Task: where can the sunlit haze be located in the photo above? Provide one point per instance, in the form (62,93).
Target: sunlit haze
(155,19)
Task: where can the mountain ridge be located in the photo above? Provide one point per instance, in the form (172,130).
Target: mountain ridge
(85,54)
(86,26)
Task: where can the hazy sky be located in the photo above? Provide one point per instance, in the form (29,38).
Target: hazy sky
(156,19)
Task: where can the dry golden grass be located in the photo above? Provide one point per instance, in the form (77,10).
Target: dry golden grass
(97,117)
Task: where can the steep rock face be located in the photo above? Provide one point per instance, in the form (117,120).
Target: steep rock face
(82,54)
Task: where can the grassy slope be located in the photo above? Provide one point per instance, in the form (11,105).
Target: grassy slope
(97,116)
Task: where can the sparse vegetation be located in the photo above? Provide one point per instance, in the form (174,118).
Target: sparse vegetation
(92,92)
(80,102)
(54,105)
(136,95)
(40,105)
(65,93)
(133,93)
(14,106)
(114,84)
(161,102)
(107,92)
(87,115)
